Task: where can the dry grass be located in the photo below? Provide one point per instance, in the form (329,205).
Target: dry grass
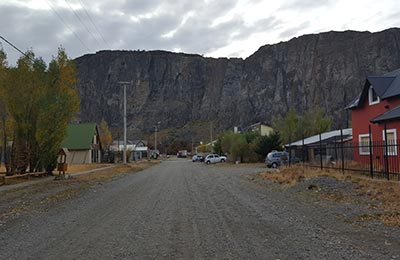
(74,168)
(119,169)
(41,196)
(378,194)
(291,175)
(381,194)
(244,165)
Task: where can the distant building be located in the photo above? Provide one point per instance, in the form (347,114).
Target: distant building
(315,146)
(138,148)
(83,143)
(260,129)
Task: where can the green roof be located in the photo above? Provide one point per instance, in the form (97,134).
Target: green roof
(79,137)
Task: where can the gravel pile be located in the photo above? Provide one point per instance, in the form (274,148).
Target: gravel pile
(324,183)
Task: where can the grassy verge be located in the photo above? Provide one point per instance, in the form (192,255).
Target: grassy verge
(378,194)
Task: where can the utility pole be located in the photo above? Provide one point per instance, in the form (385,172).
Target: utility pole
(211,132)
(155,136)
(124,83)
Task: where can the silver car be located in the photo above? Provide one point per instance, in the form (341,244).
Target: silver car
(214,158)
(275,159)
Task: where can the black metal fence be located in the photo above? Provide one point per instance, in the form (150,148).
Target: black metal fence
(376,159)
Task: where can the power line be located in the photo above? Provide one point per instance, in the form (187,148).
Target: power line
(84,25)
(95,26)
(66,25)
(15,47)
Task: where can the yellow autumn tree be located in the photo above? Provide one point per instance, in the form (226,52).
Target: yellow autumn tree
(105,135)
(58,105)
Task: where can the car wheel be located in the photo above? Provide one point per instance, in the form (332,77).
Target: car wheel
(222,160)
(208,162)
(274,165)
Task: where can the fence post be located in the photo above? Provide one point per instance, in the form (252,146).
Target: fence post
(341,150)
(371,166)
(320,151)
(386,154)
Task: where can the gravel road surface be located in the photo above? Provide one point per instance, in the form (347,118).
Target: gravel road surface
(183,210)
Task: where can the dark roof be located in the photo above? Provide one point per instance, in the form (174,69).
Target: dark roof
(79,136)
(389,115)
(385,86)
(381,84)
(354,102)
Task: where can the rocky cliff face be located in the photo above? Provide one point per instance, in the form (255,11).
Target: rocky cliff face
(322,70)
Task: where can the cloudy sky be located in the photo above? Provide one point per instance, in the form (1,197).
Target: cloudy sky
(214,28)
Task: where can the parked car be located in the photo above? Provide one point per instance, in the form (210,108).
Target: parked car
(198,158)
(214,158)
(182,154)
(276,158)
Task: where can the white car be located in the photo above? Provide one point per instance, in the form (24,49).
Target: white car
(214,158)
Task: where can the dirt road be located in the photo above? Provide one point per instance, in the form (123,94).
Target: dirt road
(183,210)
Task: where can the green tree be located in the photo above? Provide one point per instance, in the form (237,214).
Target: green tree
(293,127)
(217,148)
(23,90)
(3,108)
(265,144)
(236,146)
(288,126)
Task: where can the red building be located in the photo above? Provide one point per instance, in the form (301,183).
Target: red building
(377,107)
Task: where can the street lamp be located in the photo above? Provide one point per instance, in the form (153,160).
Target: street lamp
(124,83)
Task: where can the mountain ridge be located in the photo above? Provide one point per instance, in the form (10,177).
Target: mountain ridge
(314,70)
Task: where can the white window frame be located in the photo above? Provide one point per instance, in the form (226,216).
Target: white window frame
(394,131)
(360,144)
(371,102)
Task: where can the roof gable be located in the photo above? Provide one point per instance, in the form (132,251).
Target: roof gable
(393,89)
(79,136)
(381,84)
(385,86)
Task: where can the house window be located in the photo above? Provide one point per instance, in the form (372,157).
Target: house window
(391,141)
(373,97)
(364,144)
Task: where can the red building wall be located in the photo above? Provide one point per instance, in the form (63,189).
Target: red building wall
(361,120)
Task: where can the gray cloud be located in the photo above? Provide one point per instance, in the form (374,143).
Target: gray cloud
(44,32)
(305,4)
(19,28)
(143,24)
(291,32)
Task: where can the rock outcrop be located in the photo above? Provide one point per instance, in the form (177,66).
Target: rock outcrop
(320,70)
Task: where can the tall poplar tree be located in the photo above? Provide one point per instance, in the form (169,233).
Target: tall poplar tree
(57,106)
